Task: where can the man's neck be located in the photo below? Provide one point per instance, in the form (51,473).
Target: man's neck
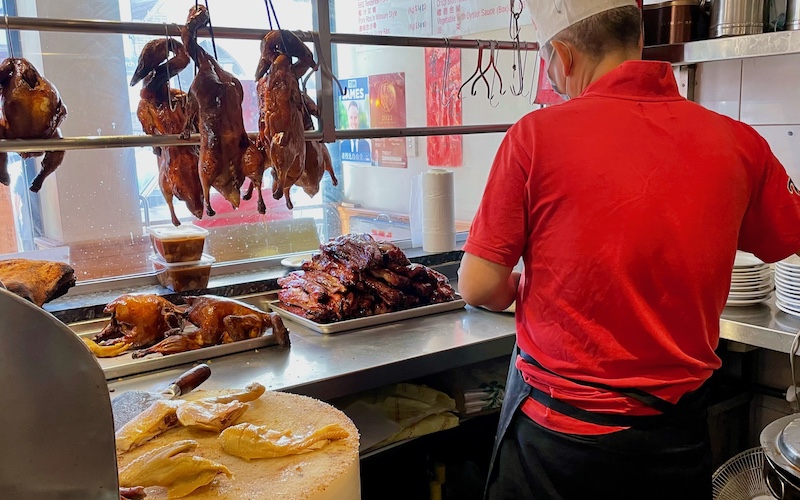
(592,73)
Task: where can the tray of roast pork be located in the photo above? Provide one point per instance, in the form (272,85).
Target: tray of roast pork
(356,282)
(147,332)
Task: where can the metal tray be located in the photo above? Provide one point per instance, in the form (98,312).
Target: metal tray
(125,365)
(379,319)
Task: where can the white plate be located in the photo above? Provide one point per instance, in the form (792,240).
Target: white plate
(744,259)
(751,279)
(787,278)
(749,302)
(793,261)
(751,272)
(786,308)
(748,295)
(296,261)
(794,287)
(789,300)
(751,287)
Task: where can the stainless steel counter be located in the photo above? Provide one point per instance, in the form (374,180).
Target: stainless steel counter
(331,366)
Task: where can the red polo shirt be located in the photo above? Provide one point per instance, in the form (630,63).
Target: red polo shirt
(627,205)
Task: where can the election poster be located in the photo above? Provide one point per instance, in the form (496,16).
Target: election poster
(353,114)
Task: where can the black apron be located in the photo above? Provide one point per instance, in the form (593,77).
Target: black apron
(517,391)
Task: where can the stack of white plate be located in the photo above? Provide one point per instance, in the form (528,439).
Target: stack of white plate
(787,285)
(751,281)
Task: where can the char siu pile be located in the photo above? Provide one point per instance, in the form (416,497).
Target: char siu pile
(354,276)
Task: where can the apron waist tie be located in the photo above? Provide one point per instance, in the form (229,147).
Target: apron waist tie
(690,405)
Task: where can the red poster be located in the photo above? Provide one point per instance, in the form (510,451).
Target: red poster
(442,79)
(387,105)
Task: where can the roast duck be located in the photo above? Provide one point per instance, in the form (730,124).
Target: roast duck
(215,98)
(285,113)
(151,324)
(38,281)
(354,276)
(162,111)
(32,109)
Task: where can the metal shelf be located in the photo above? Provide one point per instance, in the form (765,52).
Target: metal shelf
(725,49)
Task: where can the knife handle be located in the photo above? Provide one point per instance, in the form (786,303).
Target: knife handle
(191,378)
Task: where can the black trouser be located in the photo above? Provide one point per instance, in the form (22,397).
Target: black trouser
(668,462)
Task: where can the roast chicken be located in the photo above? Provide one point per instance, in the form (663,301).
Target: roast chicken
(32,109)
(139,320)
(215,98)
(220,320)
(162,111)
(38,281)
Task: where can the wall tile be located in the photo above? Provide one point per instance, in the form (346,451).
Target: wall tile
(785,143)
(769,90)
(717,87)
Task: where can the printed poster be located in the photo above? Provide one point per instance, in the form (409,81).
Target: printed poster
(465,17)
(443,108)
(388,110)
(390,17)
(353,108)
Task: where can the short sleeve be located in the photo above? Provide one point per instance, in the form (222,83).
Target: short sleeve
(771,225)
(499,229)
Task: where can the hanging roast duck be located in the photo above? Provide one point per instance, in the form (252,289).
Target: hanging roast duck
(32,109)
(162,111)
(215,97)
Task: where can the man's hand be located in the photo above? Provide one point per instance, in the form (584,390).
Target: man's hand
(484,283)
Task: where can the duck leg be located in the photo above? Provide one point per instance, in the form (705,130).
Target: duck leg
(51,161)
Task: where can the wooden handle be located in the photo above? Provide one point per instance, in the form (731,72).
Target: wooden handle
(192,378)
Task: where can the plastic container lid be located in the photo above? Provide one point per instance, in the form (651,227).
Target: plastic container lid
(170,232)
(205,260)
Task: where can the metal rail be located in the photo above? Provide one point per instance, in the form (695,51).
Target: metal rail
(156,29)
(141,141)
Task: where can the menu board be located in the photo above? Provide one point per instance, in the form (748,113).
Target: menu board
(433,17)
(400,18)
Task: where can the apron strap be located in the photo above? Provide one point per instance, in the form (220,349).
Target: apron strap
(663,406)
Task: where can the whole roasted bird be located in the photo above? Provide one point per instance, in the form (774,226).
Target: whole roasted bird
(162,111)
(215,97)
(32,109)
(283,108)
(220,320)
(139,320)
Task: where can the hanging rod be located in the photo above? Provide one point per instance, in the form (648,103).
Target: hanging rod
(157,29)
(141,141)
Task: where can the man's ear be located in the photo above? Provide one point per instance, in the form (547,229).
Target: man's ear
(563,52)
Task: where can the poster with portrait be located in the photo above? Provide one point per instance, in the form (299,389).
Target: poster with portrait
(387,109)
(353,112)
(443,108)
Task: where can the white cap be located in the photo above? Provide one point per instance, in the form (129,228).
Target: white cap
(552,16)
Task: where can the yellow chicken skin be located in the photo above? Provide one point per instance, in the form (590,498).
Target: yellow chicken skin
(106,351)
(160,417)
(250,393)
(250,441)
(210,416)
(171,467)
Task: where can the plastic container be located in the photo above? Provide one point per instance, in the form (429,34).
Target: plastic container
(182,276)
(183,243)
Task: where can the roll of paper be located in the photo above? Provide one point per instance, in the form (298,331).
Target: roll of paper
(438,211)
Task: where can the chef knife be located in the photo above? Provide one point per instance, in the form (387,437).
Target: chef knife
(129,404)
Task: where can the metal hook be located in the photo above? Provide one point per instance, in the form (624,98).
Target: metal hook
(171,103)
(447,96)
(474,74)
(323,64)
(519,68)
(534,88)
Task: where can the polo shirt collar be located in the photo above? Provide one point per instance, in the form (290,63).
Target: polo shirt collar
(637,80)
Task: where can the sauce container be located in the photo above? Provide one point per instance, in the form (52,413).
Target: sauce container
(178,244)
(182,276)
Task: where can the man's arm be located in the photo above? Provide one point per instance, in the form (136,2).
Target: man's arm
(484,283)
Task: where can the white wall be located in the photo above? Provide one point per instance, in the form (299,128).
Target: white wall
(389,189)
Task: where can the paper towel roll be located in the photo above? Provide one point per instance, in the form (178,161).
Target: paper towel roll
(438,211)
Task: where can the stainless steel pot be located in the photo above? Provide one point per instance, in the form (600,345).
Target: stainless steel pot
(736,17)
(781,443)
(793,15)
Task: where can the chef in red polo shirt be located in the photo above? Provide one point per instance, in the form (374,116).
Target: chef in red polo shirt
(627,204)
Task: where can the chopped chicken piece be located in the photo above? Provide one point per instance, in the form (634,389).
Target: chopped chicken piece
(171,467)
(210,416)
(250,393)
(155,420)
(250,441)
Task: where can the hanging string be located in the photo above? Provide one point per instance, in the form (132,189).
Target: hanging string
(270,14)
(211,31)
(8,32)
